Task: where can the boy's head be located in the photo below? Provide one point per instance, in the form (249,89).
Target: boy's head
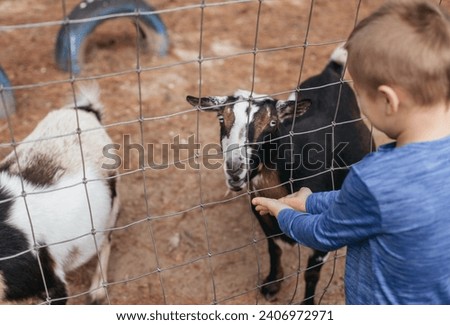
(404,44)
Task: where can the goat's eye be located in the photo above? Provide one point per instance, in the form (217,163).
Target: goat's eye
(221,119)
(273,123)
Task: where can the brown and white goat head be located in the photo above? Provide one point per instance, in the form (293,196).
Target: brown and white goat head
(247,123)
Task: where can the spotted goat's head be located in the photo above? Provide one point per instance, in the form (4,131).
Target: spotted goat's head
(246,121)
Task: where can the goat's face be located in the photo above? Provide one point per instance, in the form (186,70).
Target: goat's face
(247,122)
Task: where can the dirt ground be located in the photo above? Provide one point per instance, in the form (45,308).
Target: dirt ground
(180,239)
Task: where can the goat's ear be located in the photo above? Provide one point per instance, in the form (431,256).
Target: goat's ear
(208,103)
(287,108)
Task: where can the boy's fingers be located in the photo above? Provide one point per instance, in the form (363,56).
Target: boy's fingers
(256,200)
(262,205)
(259,208)
(260,201)
(262,210)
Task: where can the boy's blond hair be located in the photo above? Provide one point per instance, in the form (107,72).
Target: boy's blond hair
(405,43)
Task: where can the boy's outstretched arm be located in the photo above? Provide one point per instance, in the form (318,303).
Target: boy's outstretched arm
(352,216)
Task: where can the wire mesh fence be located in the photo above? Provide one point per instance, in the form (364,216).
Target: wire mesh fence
(180,238)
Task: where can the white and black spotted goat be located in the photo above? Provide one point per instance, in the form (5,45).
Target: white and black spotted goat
(258,151)
(57,206)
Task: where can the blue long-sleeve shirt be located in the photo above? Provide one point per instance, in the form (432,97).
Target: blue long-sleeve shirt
(393,214)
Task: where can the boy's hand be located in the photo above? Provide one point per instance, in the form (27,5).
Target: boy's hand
(265,205)
(297,200)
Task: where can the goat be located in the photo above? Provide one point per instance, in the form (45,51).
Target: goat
(275,147)
(57,205)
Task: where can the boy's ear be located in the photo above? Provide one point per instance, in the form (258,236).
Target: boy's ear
(208,103)
(392,98)
(286,109)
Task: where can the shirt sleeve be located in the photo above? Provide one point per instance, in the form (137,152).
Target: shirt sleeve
(352,216)
(320,201)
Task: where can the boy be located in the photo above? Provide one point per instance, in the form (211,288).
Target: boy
(393,211)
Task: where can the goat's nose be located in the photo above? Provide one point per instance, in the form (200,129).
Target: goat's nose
(234,177)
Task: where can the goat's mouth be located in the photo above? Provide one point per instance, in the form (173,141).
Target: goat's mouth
(236,174)
(236,185)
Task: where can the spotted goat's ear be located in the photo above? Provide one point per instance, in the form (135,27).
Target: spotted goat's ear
(214,103)
(287,109)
